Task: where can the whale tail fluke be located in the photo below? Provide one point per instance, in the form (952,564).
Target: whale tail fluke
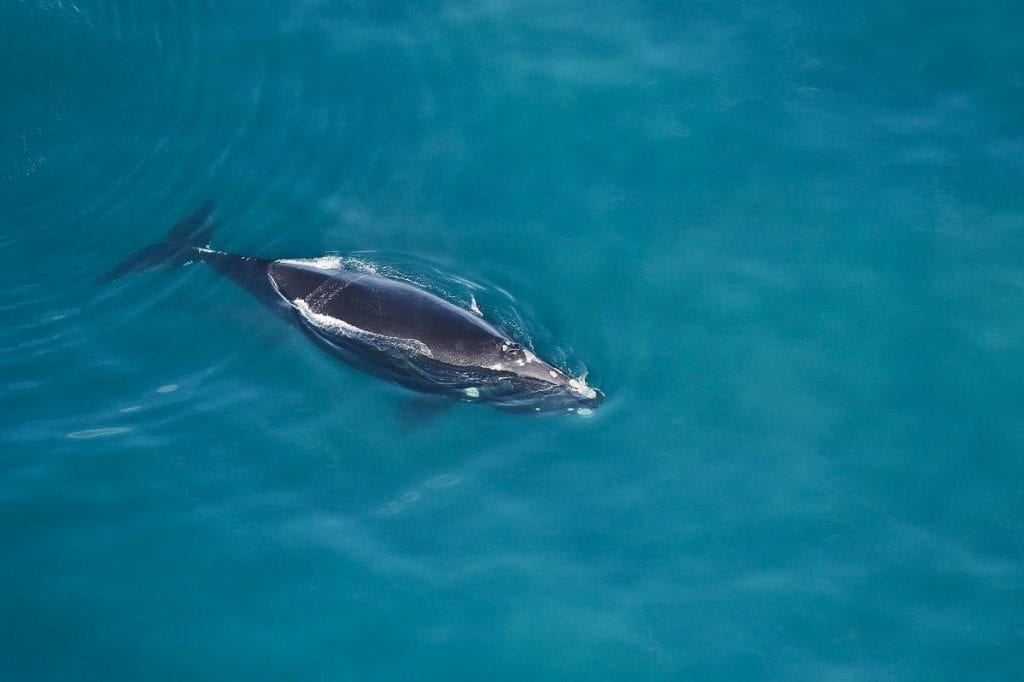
(194,231)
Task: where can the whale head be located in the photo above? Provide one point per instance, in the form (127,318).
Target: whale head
(528,383)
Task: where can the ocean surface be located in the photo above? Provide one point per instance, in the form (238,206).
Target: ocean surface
(785,238)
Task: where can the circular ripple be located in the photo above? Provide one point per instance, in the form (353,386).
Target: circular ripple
(312,126)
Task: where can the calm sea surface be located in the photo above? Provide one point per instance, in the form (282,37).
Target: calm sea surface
(786,241)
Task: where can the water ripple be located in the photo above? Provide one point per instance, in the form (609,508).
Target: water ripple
(104,432)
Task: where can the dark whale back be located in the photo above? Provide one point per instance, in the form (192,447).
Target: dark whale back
(383,326)
(391,308)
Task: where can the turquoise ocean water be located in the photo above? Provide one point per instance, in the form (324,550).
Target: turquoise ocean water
(786,240)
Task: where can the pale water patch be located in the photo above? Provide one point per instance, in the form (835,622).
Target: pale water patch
(444,481)
(22,385)
(167,388)
(420,492)
(86,434)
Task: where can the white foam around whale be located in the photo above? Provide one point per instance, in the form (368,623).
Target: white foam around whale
(331,263)
(333,325)
(321,263)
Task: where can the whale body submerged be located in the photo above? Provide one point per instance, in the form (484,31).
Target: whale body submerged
(384,326)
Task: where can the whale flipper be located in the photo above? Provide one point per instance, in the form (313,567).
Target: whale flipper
(194,231)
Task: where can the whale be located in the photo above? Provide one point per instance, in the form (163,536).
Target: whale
(382,325)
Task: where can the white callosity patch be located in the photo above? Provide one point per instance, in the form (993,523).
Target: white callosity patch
(472,392)
(579,385)
(528,357)
(333,325)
